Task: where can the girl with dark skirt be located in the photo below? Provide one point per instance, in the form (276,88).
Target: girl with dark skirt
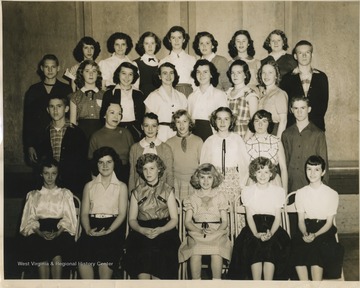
(153,242)
(49,224)
(103,212)
(316,247)
(261,250)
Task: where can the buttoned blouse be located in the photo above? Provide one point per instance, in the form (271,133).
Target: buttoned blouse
(201,105)
(263,201)
(105,201)
(152,201)
(184,64)
(317,203)
(56,203)
(87,107)
(263,146)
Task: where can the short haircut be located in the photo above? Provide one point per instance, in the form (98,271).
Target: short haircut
(119,35)
(232,44)
(48,162)
(281,33)
(151,115)
(277,71)
(139,47)
(214,80)
(299,98)
(80,81)
(105,106)
(213,117)
(166,40)
(63,98)
(245,67)
(116,76)
(158,82)
(197,41)
(42,63)
(315,160)
(261,114)
(260,163)
(102,152)
(78,50)
(177,115)
(149,158)
(301,43)
(207,169)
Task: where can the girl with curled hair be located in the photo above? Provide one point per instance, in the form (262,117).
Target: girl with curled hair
(261,250)
(276,43)
(153,241)
(147,47)
(205,46)
(207,223)
(272,98)
(86,49)
(85,103)
(176,40)
(243,101)
(186,149)
(227,152)
(119,45)
(205,98)
(241,47)
(103,213)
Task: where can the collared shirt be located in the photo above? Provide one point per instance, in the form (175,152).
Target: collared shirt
(150,60)
(127,103)
(184,64)
(299,146)
(317,203)
(87,107)
(105,201)
(274,101)
(148,148)
(56,136)
(201,105)
(210,57)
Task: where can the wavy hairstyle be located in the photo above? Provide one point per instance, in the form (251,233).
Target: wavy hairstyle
(214,80)
(197,41)
(281,33)
(78,50)
(80,81)
(233,52)
(206,169)
(139,47)
(177,115)
(149,158)
(261,114)
(102,152)
(260,163)
(119,35)
(166,40)
(42,62)
(246,70)
(213,118)
(277,71)
(116,76)
(158,82)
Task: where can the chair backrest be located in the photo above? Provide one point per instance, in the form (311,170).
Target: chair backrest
(180,225)
(289,208)
(77,203)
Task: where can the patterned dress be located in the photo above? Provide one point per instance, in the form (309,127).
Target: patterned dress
(207,207)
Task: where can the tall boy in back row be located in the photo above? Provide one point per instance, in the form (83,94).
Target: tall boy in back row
(307,81)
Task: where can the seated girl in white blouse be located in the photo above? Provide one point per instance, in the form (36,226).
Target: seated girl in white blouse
(49,223)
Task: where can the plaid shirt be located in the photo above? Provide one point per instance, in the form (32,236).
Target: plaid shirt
(56,137)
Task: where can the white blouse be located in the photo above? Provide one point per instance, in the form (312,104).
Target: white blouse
(56,203)
(317,203)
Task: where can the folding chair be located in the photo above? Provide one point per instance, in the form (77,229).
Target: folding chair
(291,208)
(77,202)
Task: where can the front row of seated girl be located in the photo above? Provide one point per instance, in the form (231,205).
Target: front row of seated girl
(262,250)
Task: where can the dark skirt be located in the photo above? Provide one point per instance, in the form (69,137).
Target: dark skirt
(102,249)
(158,257)
(249,250)
(37,249)
(202,129)
(324,251)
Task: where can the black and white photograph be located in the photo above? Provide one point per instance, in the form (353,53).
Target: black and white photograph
(190,142)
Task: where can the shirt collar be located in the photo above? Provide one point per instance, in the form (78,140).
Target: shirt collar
(67,124)
(145,58)
(173,54)
(113,179)
(210,57)
(83,89)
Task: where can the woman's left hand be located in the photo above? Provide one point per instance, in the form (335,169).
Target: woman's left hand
(102,232)
(156,232)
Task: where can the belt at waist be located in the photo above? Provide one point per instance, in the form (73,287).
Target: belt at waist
(101,215)
(164,123)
